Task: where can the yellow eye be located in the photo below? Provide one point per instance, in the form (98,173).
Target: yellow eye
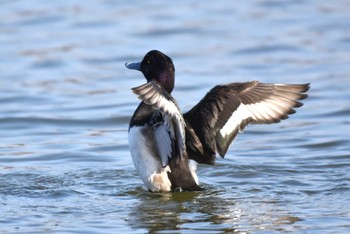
(149,61)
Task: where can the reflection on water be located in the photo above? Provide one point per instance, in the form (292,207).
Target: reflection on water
(181,211)
(66,103)
(209,210)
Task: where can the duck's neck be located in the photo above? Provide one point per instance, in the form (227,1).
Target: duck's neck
(167,80)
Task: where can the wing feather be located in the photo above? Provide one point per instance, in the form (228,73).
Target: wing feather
(173,123)
(163,143)
(227,109)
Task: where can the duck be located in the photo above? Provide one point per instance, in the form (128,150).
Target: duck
(166,145)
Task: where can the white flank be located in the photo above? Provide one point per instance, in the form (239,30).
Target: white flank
(153,175)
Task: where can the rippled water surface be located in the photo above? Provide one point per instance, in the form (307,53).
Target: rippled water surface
(66,103)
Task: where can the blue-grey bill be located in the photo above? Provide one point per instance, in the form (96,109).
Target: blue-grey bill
(134,66)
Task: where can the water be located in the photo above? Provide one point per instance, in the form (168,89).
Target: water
(66,103)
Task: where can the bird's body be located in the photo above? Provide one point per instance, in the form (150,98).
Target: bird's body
(165,144)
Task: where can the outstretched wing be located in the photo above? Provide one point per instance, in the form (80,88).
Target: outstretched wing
(227,109)
(169,133)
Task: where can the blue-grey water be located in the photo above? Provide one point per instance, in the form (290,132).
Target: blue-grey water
(66,102)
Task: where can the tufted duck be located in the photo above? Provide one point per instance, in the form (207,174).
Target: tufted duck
(166,145)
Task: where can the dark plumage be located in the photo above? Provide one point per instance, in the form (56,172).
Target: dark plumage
(163,142)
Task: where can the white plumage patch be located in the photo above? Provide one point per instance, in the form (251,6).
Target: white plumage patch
(261,111)
(149,168)
(235,120)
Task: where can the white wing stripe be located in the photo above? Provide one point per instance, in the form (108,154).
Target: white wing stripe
(280,107)
(261,109)
(254,114)
(266,110)
(235,120)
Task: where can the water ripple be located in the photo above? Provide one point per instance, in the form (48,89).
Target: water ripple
(267,49)
(30,122)
(66,103)
(326,144)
